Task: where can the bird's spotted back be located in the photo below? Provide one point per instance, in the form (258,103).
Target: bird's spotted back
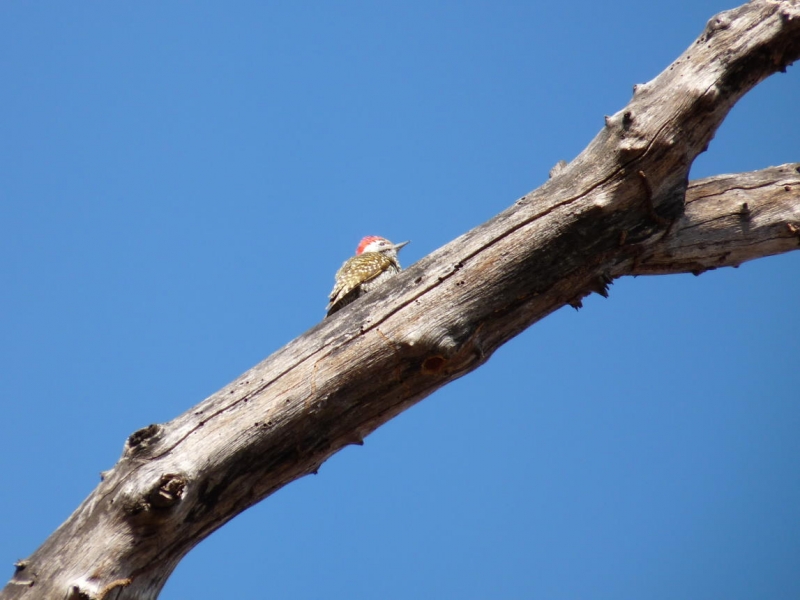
(374,262)
(358,271)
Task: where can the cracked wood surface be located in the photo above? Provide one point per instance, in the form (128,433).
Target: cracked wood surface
(622,207)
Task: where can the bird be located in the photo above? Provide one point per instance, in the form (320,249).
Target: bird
(374,262)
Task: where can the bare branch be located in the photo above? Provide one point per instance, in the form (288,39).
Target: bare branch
(617,209)
(729,219)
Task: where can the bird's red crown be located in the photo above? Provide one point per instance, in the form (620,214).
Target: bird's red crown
(366,242)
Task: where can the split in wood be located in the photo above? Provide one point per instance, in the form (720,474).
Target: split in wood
(745,211)
(651,208)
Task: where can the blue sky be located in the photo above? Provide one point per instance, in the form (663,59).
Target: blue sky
(180,181)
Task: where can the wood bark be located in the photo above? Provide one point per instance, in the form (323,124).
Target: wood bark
(622,207)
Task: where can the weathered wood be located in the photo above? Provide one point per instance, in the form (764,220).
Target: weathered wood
(620,208)
(729,219)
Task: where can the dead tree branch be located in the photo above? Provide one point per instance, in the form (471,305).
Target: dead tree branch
(728,220)
(620,208)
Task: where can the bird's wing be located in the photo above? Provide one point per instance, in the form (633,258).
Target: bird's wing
(356,272)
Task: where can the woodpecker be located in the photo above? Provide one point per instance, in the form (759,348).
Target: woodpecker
(375,262)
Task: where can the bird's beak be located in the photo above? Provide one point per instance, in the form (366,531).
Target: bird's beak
(400,245)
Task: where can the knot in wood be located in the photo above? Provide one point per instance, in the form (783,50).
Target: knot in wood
(718,22)
(140,441)
(631,145)
(444,351)
(154,504)
(556,170)
(168,492)
(434,365)
(76,593)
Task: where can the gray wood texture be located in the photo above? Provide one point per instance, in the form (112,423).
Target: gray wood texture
(624,206)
